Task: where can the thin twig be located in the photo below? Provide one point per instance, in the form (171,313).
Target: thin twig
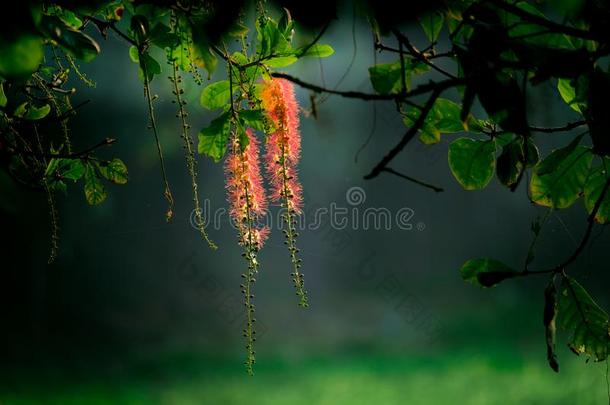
(76,155)
(407,136)
(403,40)
(413,180)
(553,26)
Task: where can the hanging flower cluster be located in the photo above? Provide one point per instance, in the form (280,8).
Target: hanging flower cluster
(248,203)
(247,195)
(281,159)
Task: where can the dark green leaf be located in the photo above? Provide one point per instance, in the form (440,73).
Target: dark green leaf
(549,318)
(3,99)
(254,119)
(285,24)
(584,319)
(563,186)
(486,272)
(21,56)
(95,193)
(386,77)
(432,24)
(30,112)
(72,169)
(568,93)
(510,164)
(149,65)
(472,162)
(552,162)
(593,190)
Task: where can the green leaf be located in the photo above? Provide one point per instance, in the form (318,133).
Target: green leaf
(568,94)
(432,24)
(149,65)
(549,321)
(72,169)
(30,112)
(472,162)
(181,55)
(316,50)
(563,186)
(134,54)
(443,118)
(254,119)
(593,190)
(486,272)
(3,99)
(95,193)
(285,24)
(114,171)
(386,77)
(584,319)
(203,57)
(216,95)
(20,56)
(213,139)
(552,162)
(271,41)
(146,62)
(281,61)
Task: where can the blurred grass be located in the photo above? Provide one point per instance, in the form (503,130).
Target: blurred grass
(469,377)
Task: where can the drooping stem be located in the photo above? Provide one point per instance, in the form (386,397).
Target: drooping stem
(57,108)
(251,249)
(189,154)
(42,163)
(54,222)
(167,193)
(291,234)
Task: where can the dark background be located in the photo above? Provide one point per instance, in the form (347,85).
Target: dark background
(132,298)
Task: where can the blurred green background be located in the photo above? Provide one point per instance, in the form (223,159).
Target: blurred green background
(139,311)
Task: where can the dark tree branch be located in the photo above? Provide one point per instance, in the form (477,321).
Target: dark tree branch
(418,91)
(103,26)
(567,127)
(413,180)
